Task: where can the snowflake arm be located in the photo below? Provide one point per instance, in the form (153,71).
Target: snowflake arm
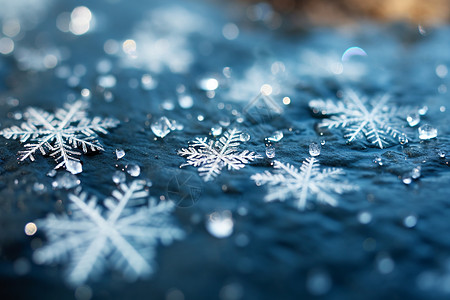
(210,157)
(122,234)
(288,182)
(59,134)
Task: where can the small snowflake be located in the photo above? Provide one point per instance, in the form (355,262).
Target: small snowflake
(287,182)
(122,233)
(212,156)
(379,123)
(59,134)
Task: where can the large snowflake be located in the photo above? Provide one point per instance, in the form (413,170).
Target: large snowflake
(212,156)
(59,134)
(122,233)
(287,182)
(379,123)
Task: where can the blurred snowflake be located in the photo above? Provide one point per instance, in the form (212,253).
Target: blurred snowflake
(212,156)
(123,234)
(59,134)
(379,123)
(289,182)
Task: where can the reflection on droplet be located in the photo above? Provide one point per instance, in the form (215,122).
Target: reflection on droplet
(286,100)
(220,224)
(80,20)
(30,228)
(353,51)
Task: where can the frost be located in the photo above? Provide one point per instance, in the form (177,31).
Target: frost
(59,134)
(121,234)
(379,123)
(288,182)
(212,156)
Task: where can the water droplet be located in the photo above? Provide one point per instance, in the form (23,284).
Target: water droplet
(441,153)
(216,130)
(406,178)
(244,137)
(148,82)
(208,84)
(364,217)
(385,264)
(416,172)
(413,119)
(66,181)
(314,149)
(51,173)
(168,105)
(403,139)
(270,152)
(224,121)
(133,170)
(185,101)
(120,153)
(30,228)
(200,118)
(318,282)
(378,160)
(161,127)
(107,81)
(410,221)
(220,224)
(38,187)
(74,167)
(276,137)
(423,110)
(118,177)
(322,142)
(427,132)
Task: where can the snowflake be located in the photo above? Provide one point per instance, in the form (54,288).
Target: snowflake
(212,156)
(379,123)
(123,234)
(288,182)
(59,134)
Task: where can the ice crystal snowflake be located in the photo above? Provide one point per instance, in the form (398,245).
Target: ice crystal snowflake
(59,134)
(287,182)
(122,234)
(212,156)
(379,123)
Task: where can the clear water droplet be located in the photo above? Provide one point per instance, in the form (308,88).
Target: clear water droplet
(107,81)
(216,130)
(427,132)
(244,137)
(322,142)
(364,217)
(185,101)
(208,84)
(276,137)
(406,178)
(220,224)
(74,167)
(270,152)
(148,82)
(378,160)
(168,105)
(51,173)
(423,110)
(120,153)
(441,153)
(413,119)
(314,149)
(65,181)
(410,221)
(161,127)
(403,139)
(416,172)
(133,170)
(118,177)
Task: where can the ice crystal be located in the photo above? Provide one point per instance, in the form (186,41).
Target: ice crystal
(288,182)
(212,156)
(59,134)
(379,123)
(121,234)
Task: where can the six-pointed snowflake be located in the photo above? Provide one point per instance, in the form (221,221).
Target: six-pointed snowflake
(287,182)
(212,156)
(122,233)
(379,123)
(59,134)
